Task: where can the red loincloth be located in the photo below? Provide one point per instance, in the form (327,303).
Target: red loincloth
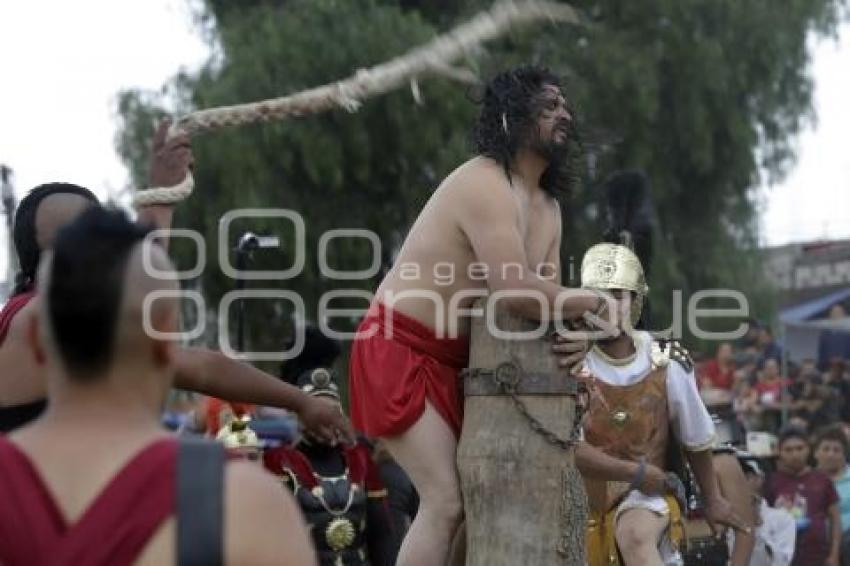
(114,529)
(392,373)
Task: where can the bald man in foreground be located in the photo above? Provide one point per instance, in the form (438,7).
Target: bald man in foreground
(95,479)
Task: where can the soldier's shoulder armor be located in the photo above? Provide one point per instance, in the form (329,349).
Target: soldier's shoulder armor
(665,350)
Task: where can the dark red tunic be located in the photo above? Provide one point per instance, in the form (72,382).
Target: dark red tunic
(114,529)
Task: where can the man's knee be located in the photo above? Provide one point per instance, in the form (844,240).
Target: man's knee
(633,537)
(446,504)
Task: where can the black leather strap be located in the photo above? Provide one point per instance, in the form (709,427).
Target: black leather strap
(200,503)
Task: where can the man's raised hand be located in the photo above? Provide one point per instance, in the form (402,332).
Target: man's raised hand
(171,158)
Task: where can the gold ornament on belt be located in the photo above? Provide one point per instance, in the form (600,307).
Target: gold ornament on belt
(340,534)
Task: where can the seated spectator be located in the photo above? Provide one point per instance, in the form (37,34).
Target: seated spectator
(810,496)
(767,347)
(750,338)
(831,455)
(817,403)
(804,372)
(838,379)
(771,396)
(95,478)
(719,372)
(770,384)
(833,344)
(808,365)
(745,362)
(745,403)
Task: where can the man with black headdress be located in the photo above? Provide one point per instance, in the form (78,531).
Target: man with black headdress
(338,488)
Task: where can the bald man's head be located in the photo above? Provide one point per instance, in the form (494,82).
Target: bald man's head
(93,289)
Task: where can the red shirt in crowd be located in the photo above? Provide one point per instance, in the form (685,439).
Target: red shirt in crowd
(770,391)
(715,376)
(808,498)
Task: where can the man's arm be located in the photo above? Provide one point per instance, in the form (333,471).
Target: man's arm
(836,531)
(595,464)
(735,489)
(717,509)
(488,216)
(171,161)
(213,373)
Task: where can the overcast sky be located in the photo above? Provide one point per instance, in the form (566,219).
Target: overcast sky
(61,64)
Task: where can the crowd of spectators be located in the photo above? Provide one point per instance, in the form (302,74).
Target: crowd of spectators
(751,388)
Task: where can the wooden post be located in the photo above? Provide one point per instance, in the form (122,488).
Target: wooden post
(524,500)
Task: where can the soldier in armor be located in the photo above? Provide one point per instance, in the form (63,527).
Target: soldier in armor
(644,404)
(645,399)
(338,487)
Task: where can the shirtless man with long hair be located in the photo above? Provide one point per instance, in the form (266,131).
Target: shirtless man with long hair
(493,226)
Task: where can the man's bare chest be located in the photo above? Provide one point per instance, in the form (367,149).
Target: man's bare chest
(538,232)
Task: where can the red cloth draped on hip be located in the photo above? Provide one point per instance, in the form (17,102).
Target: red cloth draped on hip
(396,364)
(115,528)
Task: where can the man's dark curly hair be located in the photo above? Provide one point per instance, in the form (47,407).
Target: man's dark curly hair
(508,119)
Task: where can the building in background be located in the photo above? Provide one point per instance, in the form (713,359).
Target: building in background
(812,278)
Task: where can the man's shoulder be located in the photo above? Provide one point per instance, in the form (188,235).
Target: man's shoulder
(479,173)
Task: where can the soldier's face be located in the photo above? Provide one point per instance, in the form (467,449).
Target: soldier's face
(624,300)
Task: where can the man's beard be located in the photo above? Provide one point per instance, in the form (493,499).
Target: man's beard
(552,150)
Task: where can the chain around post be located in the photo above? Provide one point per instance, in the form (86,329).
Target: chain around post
(508,376)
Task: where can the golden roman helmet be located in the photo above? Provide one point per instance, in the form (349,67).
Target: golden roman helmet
(607,267)
(237,434)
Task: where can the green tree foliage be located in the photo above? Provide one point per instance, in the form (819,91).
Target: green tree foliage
(705,96)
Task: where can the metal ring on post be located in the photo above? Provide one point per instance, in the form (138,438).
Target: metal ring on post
(507,374)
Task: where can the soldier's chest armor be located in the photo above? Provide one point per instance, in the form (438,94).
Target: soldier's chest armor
(631,421)
(335,511)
